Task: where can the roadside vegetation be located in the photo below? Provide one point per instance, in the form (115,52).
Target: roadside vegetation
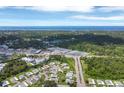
(104,68)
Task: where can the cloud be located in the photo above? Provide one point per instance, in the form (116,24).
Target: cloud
(59,8)
(72,6)
(97,18)
(57,5)
(61,2)
(2,7)
(111,8)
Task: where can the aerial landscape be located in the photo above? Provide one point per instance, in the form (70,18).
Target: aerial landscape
(56,54)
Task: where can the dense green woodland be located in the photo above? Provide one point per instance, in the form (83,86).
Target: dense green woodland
(104,50)
(104,68)
(12,68)
(97,42)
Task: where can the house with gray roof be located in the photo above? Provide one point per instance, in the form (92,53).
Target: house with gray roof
(5,83)
(118,84)
(91,82)
(2,66)
(100,83)
(64,66)
(29,74)
(22,77)
(21,84)
(109,83)
(69,81)
(53,77)
(69,75)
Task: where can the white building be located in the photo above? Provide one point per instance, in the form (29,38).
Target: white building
(21,77)
(29,74)
(69,81)
(100,83)
(118,84)
(54,69)
(39,60)
(21,84)
(91,82)
(65,66)
(5,83)
(36,77)
(34,60)
(109,83)
(27,59)
(53,77)
(1,66)
(69,75)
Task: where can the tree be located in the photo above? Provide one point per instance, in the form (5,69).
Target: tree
(50,84)
(13,67)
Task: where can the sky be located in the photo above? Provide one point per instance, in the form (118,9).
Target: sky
(61,15)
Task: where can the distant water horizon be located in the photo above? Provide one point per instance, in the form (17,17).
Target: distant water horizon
(62,28)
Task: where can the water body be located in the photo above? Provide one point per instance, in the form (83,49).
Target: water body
(63,28)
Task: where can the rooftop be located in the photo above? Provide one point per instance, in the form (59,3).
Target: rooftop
(5,83)
(109,83)
(100,82)
(118,83)
(91,81)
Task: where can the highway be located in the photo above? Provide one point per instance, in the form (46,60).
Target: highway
(79,72)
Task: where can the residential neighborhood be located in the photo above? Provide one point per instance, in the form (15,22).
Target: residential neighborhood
(24,80)
(50,72)
(59,72)
(104,83)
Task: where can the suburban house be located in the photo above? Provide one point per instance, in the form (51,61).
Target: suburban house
(5,83)
(91,82)
(21,77)
(109,83)
(100,83)
(118,84)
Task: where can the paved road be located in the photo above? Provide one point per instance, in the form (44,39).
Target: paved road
(103,56)
(79,72)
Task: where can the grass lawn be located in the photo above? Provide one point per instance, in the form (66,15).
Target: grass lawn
(71,64)
(84,67)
